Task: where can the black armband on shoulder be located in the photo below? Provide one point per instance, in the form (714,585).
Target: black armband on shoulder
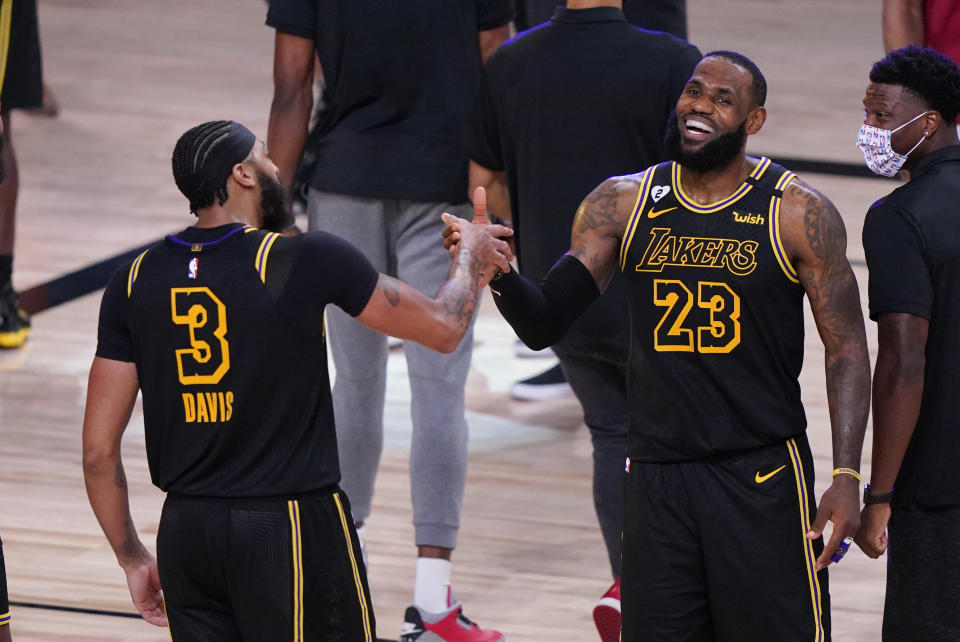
(542,314)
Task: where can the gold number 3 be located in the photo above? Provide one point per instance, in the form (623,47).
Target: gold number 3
(721,335)
(208,357)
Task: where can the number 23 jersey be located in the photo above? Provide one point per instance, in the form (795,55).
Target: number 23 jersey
(717,319)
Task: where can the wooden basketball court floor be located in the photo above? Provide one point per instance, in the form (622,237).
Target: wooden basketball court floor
(131,76)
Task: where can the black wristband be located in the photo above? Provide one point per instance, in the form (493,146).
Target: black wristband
(869,497)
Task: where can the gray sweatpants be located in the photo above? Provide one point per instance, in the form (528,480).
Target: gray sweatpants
(401,238)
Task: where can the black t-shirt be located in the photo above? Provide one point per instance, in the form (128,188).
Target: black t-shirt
(400,79)
(656,15)
(912,243)
(225,326)
(562,107)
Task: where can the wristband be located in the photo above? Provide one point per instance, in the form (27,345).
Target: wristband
(869,497)
(846,471)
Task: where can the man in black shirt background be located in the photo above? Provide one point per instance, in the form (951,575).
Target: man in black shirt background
(561,107)
(221,328)
(911,238)
(399,81)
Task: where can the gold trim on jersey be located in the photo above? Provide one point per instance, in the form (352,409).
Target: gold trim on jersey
(166,615)
(249,228)
(364,608)
(263,252)
(742,191)
(645,183)
(5,618)
(775,241)
(296,543)
(134,272)
(810,558)
(6,10)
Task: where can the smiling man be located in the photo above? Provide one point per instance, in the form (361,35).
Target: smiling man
(722,536)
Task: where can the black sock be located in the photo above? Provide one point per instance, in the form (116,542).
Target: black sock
(6,268)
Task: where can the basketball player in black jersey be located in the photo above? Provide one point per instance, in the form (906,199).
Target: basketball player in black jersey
(722,537)
(221,328)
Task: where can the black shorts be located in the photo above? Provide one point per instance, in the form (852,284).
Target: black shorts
(716,549)
(923,575)
(263,569)
(4,599)
(21,71)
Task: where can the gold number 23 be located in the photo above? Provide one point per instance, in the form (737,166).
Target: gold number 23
(208,357)
(721,335)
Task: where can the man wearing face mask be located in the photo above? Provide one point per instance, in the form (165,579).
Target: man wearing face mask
(912,242)
(722,537)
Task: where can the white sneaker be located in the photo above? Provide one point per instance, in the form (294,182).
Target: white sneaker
(549,384)
(522,351)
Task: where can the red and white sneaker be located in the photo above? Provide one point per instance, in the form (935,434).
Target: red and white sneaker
(606,614)
(450,626)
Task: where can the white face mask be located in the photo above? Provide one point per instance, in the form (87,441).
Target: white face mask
(877,152)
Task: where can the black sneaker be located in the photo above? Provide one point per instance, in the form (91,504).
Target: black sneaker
(14,321)
(550,384)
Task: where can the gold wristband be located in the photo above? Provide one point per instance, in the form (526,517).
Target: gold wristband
(846,471)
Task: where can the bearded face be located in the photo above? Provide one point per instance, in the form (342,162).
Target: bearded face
(276,216)
(712,155)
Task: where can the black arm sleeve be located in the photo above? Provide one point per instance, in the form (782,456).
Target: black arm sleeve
(542,314)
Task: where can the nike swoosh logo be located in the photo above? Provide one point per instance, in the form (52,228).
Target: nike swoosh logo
(762,478)
(655,213)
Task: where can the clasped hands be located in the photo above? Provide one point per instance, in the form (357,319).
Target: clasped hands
(481,237)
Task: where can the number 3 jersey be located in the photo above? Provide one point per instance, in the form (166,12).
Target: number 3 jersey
(225,326)
(717,319)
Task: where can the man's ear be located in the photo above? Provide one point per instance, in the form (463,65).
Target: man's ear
(931,122)
(243,173)
(755,120)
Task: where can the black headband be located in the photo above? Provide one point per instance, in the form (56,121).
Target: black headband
(208,161)
(217,164)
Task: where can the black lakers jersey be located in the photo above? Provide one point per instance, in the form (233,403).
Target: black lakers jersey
(225,326)
(717,319)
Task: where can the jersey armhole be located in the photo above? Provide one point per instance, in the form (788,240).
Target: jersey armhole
(631,227)
(134,272)
(776,243)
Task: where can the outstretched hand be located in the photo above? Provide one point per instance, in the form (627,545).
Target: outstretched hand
(143,580)
(840,505)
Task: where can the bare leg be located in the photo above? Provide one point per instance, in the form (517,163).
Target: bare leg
(8,190)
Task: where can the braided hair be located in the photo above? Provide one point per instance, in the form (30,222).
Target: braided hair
(203,159)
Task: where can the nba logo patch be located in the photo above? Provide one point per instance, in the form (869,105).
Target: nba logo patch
(626,468)
(659,192)
(192,268)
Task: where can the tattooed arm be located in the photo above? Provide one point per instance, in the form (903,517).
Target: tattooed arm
(398,309)
(816,241)
(599,226)
(111,393)
(542,314)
